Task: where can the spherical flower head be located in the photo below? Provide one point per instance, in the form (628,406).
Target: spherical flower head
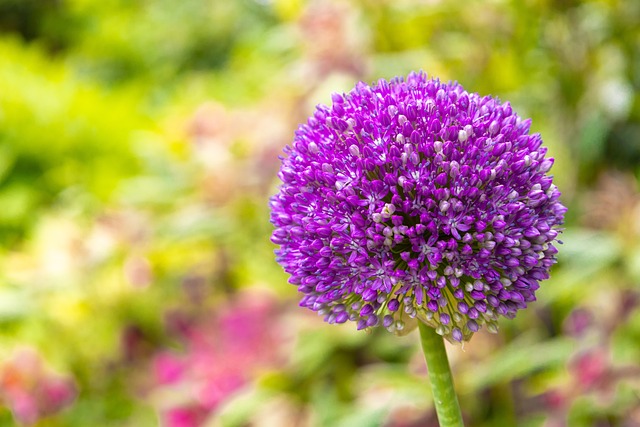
(416,200)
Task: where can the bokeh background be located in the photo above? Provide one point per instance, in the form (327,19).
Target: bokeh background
(139,145)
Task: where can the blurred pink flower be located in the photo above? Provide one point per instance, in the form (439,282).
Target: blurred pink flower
(223,353)
(578,323)
(332,42)
(30,390)
(168,368)
(591,369)
(184,417)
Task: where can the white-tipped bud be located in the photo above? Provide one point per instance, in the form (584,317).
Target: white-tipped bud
(469,130)
(388,210)
(494,128)
(429,106)
(437,147)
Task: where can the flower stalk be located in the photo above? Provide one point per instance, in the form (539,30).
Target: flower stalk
(444,395)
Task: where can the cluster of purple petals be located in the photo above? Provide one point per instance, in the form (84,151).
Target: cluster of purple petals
(414,199)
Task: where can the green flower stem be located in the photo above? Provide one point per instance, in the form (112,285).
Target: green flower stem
(444,395)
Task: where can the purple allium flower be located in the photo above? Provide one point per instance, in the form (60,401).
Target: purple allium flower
(416,199)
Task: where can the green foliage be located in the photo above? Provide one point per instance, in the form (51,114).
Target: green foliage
(60,138)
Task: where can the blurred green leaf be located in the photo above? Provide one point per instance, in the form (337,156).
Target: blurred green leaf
(14,304)
(523,356)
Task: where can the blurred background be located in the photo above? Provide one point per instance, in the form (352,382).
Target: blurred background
(138,150)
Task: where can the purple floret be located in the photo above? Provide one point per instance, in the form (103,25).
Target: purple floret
(416,199)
